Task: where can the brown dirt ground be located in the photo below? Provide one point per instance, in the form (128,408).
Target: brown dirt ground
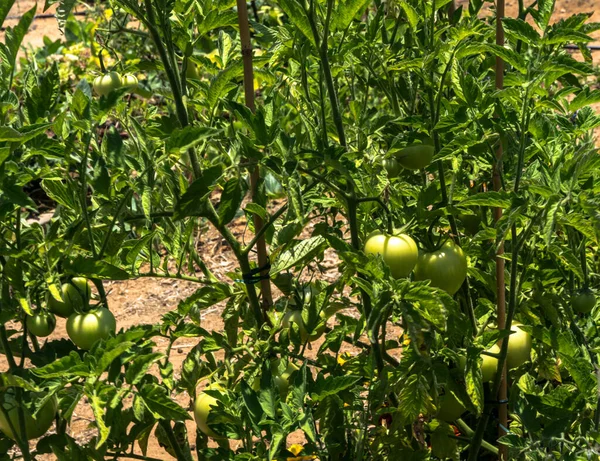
(144,301)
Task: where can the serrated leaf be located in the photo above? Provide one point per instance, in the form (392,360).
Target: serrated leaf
(109,355)
(161,405)
(182,139)
(298,16)
(303,250)
(333,385)
(65,367)
(138,368)
(192,201)
(490,198)
(98,405)
(521,30)
(93,269)
(231,199)
(346,12)
(147,201)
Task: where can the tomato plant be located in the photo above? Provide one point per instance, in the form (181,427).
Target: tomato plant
(250,151)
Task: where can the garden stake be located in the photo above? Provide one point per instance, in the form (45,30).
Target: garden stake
(261,246)
(500,284)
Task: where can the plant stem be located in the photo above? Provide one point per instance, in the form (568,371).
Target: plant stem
(261,245)
(166,425)
(182,114)
(324,55)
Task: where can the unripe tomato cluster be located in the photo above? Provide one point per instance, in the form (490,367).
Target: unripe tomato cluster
(105,84)
(85,325)
(445,267)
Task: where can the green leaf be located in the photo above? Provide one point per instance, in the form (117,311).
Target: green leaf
(109,355)
(219,85)
(511,57)
(231,199)
(520,30)
(346,12)
(90,268)
(298,17)
(192,201)
(215,20)
(182,139)
(414,398)
(63,11)
(332,385)
(302,251)
(490,198)
(473,379)
(5,7)
(138,368)
(160,404)
(584,98)
(65,367)
(14,36)
(98,405)
(411,14)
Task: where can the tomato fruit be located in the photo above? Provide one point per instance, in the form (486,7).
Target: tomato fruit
(106,83)
(392,167)
(399,252)
(35,426)
(584,301)
(191,71)
(75,296)
(283,380)
(519,347)
(41,324)
(295,316)
(87,328)
(489,364)
(446,267)
(450,408)
(202,408)
(129,81)
(415,156)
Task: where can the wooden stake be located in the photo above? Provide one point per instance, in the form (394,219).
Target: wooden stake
(500,282)
(261,246)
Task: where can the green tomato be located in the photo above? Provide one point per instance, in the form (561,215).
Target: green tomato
(41,324)
(584,301)
(519,347)
(35,426)
(489,364)
(191,71)
(129,81)
(72,297)
(415,156)
(283,381)
(392,167)
(450,408)
(106,83)
(202,408)
(399,252)
(87,328)
(295,316)
(446,267)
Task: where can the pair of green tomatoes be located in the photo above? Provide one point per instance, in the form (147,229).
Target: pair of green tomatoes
(105,84)
(85,326)
(445,267)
